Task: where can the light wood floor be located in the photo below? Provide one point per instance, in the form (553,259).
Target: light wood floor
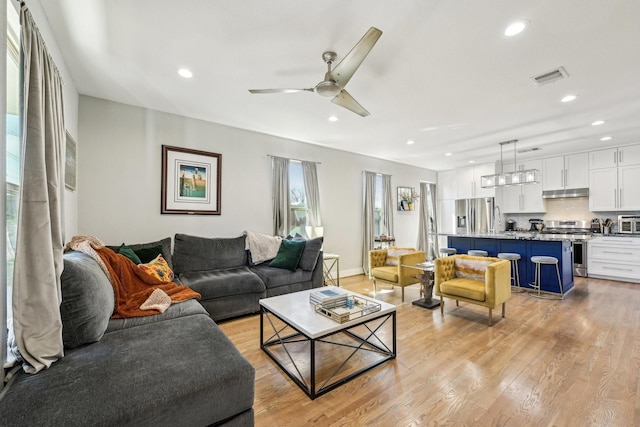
(574,362)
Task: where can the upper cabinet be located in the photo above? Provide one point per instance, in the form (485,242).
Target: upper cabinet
(612,157)
(526,198)
(468,181)
(447,187)
(565,172)
(614,174)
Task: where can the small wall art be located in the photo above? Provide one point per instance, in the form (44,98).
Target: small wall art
(407,198)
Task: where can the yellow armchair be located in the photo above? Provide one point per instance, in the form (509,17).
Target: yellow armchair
(477,280)
(386,265)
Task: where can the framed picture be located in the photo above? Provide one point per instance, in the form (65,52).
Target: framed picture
(70,163)
(190,181)
(406,198)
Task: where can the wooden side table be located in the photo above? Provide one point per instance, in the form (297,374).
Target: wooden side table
(329,263)
(427,282)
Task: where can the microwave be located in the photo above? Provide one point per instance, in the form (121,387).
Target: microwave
(628,224)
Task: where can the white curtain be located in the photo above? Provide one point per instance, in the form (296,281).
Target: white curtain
(369,200)
(280,188)
(310,175)
(38,262)
(387,205)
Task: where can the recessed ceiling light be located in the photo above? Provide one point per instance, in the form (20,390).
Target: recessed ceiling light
(448,154)
(569,98)
(472,161)
(410,142)
(597,123)
(333,119)
(515,28)
(183,72)
(606,138)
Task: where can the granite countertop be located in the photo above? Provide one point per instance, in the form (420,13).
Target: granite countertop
(511,235)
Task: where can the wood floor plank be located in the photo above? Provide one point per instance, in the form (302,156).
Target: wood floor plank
(574,362)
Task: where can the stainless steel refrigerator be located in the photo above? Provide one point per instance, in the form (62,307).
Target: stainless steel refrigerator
(474,215)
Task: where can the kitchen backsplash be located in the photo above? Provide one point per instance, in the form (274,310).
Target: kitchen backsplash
(563,209)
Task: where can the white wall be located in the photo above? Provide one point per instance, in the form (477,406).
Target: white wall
(119,168)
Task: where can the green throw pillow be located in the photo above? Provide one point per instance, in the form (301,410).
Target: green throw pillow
(129,253)
(288,255)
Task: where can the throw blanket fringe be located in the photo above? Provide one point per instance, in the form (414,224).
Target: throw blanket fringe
(137,293)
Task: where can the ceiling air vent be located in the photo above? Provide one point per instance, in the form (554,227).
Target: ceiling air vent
(550,77)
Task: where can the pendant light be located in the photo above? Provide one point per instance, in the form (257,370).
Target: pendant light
(505,179)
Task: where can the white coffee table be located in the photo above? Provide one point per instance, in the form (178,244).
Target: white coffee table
(320,354)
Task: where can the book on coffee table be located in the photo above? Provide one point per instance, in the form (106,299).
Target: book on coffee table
(325,295)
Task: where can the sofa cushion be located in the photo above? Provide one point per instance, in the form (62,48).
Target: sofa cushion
(310,254)
(388,273)
(466,288)
(158,268)
(288,255)
(180,309)
(393,253)
(192,253)
(87,300)
(472,268)
(129,253)
(221,283)
(275,277)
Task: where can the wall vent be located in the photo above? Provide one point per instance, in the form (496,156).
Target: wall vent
(550,77)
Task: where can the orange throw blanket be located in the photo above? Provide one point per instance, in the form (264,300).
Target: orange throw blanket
(133,286)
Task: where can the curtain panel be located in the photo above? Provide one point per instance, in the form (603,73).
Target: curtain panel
(427,239)
(38,259)
(281,199)
(312,191)
(368,218)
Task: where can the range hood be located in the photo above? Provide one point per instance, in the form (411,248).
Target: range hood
(571,192)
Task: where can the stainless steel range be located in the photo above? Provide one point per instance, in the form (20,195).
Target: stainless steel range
(578,232)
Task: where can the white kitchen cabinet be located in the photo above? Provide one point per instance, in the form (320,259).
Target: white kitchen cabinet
(615,157)
(525,198)
(616,258)
(615,188)
(468,181)
(447,187)
(565,172)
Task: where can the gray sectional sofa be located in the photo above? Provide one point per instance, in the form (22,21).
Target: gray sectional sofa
(172,369)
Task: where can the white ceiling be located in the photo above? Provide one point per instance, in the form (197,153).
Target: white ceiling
(442,74)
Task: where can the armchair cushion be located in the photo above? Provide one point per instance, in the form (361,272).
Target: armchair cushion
(466,288)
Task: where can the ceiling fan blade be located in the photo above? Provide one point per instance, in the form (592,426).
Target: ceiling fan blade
(343,72)
(345,100)
(258,91)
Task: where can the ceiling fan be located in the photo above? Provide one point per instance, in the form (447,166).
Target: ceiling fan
(337,78)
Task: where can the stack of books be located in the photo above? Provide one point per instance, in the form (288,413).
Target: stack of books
(331,294)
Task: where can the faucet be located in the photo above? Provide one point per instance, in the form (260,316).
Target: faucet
(497,217)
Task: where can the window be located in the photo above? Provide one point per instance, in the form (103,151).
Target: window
(297,199)
(13,145)
(378,209)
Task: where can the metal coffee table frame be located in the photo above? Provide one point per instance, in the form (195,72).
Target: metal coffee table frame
(366,344)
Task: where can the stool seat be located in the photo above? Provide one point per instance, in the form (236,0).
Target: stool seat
(513,258)
(544,259)
(547,260)
(478,252)
(510,256)
(448,251)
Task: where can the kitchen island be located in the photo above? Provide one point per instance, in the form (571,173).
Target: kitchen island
(527,245)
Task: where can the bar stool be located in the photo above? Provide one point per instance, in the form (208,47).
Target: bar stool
(515,274)
(478,252)
(539,261)
(447,251)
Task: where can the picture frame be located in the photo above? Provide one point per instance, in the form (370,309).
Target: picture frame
(190,181)
(406,198)
(70,163)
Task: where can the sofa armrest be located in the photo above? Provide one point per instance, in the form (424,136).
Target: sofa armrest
(406,275)
(444,269)
(498,282)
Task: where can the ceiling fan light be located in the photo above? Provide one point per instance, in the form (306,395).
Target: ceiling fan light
(328,88)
